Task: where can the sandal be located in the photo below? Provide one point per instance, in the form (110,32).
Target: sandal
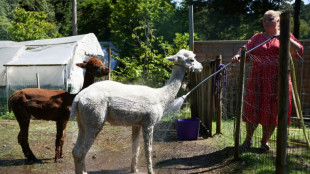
(247,144)
(265,147)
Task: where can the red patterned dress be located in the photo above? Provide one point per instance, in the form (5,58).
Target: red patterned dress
(261,90)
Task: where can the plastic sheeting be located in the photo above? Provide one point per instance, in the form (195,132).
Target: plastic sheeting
(53,59)
(45,55)
(48,76)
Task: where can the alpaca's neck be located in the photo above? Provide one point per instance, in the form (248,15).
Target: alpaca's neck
(173,85)
(88,80)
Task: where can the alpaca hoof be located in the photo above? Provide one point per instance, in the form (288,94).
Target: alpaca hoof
(134,171)
(58,160)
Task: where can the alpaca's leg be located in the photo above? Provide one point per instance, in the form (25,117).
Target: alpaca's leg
(23,119)
(135,148)
(60,136)
(86,137)
(77,152)
(81,148)
(148,141)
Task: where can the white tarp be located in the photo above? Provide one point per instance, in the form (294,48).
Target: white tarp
(53,59)
(44,55)
(7,53)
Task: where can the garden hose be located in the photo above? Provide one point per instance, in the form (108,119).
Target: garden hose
(293,79)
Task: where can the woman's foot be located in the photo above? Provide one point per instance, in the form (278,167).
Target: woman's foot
(246,144)
(265,147)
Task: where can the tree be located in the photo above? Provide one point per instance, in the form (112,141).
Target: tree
(141,16)
(6,6)
(62,16)
(158,68)
(304,29)
(28,25)
(99,22)
(136,34)
(228,20)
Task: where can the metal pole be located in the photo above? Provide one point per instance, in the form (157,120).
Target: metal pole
(74,18)
(109,59)
(283,102)
(191,27)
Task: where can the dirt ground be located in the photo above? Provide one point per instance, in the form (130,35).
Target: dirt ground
(111,152)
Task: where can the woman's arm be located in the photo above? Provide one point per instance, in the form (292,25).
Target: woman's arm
(296,47)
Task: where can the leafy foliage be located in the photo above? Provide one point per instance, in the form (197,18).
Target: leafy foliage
(157,70)
(100,12)
(143,31)
(135,34)
(30,26)
(231,20)
(138,18)
(304,21)
(6,6)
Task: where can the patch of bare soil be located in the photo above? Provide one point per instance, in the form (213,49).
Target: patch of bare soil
(111,152)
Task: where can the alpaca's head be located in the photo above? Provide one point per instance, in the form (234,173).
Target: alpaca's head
(186,59)
(95,67)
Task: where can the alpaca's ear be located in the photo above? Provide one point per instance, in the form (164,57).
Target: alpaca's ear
(172,58)
(82,65)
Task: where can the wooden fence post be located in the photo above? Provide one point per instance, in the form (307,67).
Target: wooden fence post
(193,96)
(240,102)
(283,92)
(218,98)
(208,98)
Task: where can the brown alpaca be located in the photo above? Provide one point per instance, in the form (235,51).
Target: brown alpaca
(52,105)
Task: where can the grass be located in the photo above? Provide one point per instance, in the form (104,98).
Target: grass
(9,146)
(254,161)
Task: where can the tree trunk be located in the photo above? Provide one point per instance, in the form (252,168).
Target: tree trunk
(296,18)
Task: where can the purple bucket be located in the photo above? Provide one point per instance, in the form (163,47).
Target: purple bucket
(188,129)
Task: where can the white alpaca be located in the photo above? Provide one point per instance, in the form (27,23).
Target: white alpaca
(127,105)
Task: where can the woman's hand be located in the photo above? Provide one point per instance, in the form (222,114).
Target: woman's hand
(236,58)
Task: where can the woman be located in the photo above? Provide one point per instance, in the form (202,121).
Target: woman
(261,91)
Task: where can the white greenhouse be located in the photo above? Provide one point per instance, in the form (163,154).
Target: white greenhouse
(51,62)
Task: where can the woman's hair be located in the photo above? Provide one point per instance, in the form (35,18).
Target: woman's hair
(276,14)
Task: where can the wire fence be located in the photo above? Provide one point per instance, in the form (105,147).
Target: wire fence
(260,106)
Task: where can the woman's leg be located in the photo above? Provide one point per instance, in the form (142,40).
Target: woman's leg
(250,128)
(267,133)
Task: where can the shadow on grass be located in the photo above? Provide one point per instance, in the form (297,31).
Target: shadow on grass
(252,150)
(200,161)
(21,162)
(110,171)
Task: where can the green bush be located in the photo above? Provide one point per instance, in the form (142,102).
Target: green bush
(7,116)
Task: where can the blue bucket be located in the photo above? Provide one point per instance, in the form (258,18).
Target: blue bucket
(188,129)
